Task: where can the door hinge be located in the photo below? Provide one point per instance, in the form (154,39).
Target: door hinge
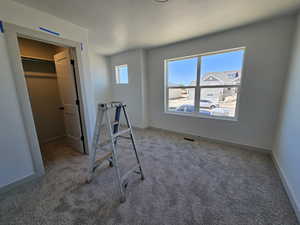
(77,102)
(72,61)
(82,138)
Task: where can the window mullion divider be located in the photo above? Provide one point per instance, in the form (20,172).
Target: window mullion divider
(197,89)
(180,87)
(221,86)
(166,87)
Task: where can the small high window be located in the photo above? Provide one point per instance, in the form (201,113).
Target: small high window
(122,74)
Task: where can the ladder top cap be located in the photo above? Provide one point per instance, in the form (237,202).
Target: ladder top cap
(111,105)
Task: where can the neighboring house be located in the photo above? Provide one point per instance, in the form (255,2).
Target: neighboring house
(175,93)
(221,78)
(215,79)
(211,79)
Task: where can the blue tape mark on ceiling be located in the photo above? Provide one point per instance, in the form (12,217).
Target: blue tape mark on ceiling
(49,31)
(1,27)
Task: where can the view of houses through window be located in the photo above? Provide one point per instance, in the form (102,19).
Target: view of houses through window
(206,84)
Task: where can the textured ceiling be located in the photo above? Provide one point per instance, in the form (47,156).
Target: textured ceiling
(118,25)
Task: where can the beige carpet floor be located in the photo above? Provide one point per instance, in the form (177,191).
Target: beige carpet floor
(186,183)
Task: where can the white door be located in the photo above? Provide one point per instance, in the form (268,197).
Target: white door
(69,97)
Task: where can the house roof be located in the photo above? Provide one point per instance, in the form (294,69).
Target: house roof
(217,78)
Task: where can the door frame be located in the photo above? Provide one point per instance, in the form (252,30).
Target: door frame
(12,32)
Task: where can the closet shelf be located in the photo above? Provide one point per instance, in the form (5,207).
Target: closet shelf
(38,74)
(36,59)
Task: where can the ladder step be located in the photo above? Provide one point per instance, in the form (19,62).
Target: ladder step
(129,138)
(115,123)
(103,158)
(104,144)
(129,172)
(121,132)
(108,142)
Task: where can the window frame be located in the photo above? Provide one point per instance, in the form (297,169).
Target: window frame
(117,74)
(198,88)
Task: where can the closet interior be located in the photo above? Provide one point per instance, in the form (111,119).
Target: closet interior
(46,102)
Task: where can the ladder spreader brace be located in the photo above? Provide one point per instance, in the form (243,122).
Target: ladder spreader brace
(113,134)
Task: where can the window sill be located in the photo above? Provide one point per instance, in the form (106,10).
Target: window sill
(198,115)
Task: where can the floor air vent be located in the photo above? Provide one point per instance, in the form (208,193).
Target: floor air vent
(188,139)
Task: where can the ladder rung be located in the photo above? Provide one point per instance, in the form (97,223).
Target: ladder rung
(100,160)
(108,142)
(121,132)
(104,144)
(125,137)
(129,172)
(115,123)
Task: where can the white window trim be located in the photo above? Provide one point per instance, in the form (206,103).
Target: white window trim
(117,76)
(198,87)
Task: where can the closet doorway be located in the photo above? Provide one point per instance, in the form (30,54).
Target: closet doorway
(51,84)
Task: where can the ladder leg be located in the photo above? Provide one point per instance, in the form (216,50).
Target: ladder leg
(115,130)
(137,157)
(133,142)
(117,119)
(96,138)
(115,159)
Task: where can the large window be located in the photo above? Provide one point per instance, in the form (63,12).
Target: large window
(205,85)
(122,74)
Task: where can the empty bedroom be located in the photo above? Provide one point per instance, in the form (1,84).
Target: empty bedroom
(150,112)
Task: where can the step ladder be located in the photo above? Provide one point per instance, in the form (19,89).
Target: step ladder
(114,133)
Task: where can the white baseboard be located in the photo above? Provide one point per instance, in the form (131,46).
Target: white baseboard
(14,184)
(289,190)
(246,147)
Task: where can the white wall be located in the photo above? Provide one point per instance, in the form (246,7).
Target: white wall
(48,119)
(266,62)
(286,148)
(15,160)
(134,93)
(100,71)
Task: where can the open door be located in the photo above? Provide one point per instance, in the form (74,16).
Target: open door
(69,97)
